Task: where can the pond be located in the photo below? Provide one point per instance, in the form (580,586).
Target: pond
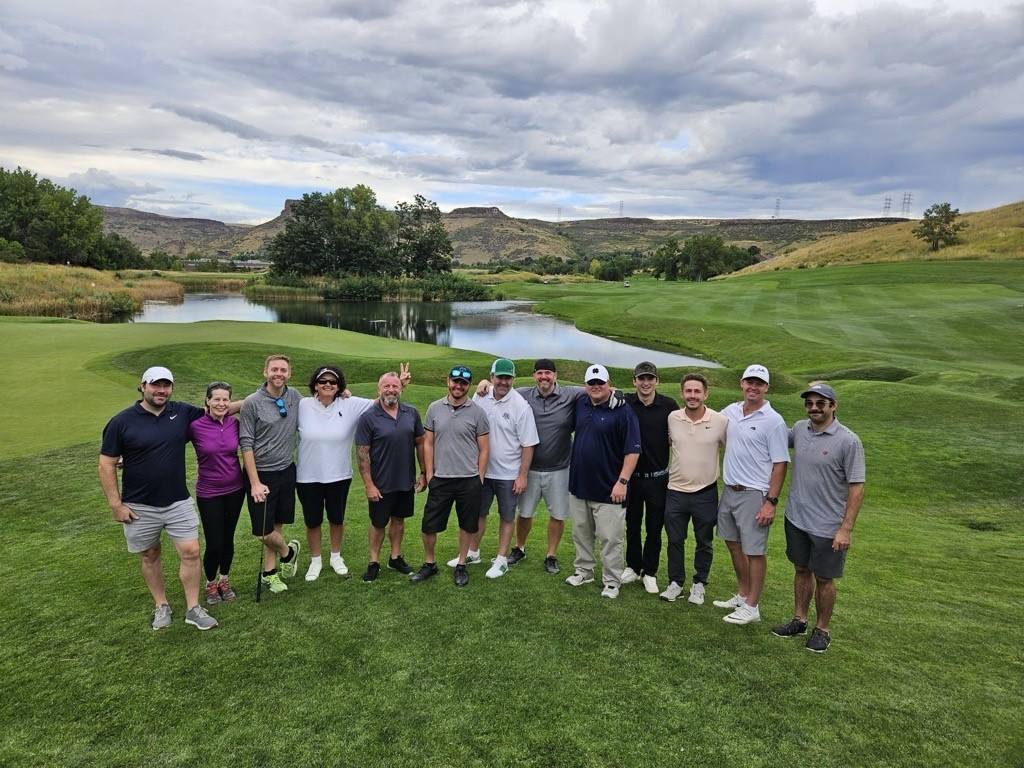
(501,328)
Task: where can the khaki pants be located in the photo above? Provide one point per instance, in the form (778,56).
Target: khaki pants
(592,521)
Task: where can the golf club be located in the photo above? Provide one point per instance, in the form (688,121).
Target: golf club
(259,574)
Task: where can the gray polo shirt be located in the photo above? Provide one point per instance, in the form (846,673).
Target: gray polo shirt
(824,464)
(554,416)
(392,443)
(456,451)
(264,431)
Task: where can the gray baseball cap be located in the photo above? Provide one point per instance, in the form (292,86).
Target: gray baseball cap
(820,389)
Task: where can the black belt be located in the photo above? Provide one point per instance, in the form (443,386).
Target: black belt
(649,475)
(742,488)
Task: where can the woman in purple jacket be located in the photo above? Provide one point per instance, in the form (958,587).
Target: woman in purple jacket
(219,490)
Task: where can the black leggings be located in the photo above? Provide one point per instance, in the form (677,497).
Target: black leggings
(220,516)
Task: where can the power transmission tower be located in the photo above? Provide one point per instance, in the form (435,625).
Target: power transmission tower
(559,214)
(778,204)
(887,207)
(908,198)
(620,209)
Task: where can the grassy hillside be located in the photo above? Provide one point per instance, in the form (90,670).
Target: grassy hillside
(997,233)
(924,668)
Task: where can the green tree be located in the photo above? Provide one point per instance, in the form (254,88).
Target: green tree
(164,260)
(665,262)
(11,253)
(422,242)
(939,226)
(53,224)
(703,257)
(114,251)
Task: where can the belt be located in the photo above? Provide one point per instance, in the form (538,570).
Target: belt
(742,488)
(648,475)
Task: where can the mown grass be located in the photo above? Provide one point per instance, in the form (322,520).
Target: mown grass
(925,667)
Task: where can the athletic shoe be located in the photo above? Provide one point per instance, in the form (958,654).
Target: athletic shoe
(791,628)
(226,592)
(578,579)
(426,571)
(629,576)
(551,565)
(472,558)
(399,564)
(162,616)
(199,618)
(516,555)
(274,584)
(372,572)
(696,593)
(338,564)
(672,591)
(461,577)
(500,568)
(733,602)
(290,568)
(212,593)
(651,585)
(610,592)
(314,570)
(744,615)
(818,641)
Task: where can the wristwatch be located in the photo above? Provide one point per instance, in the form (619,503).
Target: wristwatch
(773,500)
(624,481)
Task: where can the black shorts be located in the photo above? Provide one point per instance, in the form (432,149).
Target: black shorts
(279,508)
(395,504)
(464,492)
(815,552)
(317,497)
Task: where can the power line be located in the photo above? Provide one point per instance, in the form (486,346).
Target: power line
(908,198)
(887,207)
(620,209)
(778,204)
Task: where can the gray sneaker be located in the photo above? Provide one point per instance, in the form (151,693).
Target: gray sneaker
(672,592)
(199,618)
(162,616)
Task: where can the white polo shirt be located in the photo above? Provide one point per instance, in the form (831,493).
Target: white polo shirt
(512,429)
(325,438)
(753,444)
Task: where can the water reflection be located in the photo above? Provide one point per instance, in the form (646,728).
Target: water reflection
(506,328)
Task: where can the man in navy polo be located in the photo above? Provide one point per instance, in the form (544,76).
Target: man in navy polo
(604,456)
(389,439)
(150,440)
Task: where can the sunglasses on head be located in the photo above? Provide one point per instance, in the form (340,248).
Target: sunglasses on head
(460,373)
(281,408)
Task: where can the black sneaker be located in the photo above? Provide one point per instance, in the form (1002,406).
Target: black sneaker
(461,577)
(399,564)
(515,555)
(425,572)
(551,565)
(791,628)
(372,572)
(819,640)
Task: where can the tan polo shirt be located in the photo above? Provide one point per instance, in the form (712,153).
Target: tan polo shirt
(695,448)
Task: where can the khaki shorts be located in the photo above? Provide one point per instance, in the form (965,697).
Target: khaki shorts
(737,520)
(179,520)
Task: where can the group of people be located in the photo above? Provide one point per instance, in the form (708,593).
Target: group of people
(623,467)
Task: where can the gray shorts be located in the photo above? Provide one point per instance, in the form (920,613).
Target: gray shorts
(502,490)
(737,520)
(553,487)
(814,552)
(180,520)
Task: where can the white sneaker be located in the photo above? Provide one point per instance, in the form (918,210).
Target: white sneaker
(733,602)
(672,591)
(696,594)
(578,580)
(651,585)
(498,569)
(472,558)
(629,576)
(338,564)
(744,615)
(610,592)
(314,570)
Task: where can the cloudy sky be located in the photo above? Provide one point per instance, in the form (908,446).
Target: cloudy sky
(670,107)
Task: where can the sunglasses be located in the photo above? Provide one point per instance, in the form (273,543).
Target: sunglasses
(281,407)
(816,403)
(595,383)
(460,373)
(326,382)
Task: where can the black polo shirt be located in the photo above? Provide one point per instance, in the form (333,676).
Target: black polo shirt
(153,451)
(392,445)
(653,420)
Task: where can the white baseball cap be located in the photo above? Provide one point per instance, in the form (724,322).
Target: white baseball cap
(596,372)
(157,373)
(756,372)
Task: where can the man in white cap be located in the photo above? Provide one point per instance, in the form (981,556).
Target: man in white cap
(756,457)
(149,438)
(512,439)
(825,495)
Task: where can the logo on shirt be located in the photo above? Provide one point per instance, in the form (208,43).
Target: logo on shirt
(173,417)
(506,416)
(753,429)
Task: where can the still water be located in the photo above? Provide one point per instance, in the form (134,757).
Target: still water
(501,328)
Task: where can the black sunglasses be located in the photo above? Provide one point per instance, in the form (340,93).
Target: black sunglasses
(332,382)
